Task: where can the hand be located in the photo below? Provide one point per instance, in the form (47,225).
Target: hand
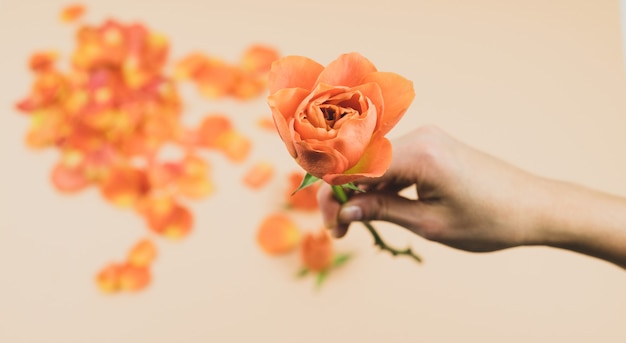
(469,200)
(465,199)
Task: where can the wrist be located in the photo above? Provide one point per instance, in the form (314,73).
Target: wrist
(579,219)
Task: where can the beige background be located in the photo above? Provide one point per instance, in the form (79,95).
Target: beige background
(538,83)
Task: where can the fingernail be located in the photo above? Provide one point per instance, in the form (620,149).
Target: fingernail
(350,213)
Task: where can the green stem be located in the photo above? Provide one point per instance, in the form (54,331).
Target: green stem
(342,197)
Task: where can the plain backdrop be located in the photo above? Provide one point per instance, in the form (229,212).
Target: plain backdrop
(538,83)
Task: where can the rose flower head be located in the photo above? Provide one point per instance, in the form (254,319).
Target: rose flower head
(333,119)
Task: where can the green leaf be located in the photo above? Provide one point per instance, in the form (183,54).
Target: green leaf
(353,187)
(306,182)
(321,277)
(341,260)
(302,272)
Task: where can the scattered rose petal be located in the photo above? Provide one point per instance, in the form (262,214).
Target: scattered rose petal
(42,61)
(133,278)
(108,278)
(211,129)
(142,254)
(168,218)
(266,123)
(114,111)
(258,175)
(125,186)
(234,145)
(68,178)
(258,58)
(72,13)
(194,182)
(278,234)
(304,199)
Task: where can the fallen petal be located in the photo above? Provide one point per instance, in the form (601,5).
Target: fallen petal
(278,234)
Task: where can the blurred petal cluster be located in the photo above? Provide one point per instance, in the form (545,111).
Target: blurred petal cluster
(111,109)
(109,116)
(217,78)
(133,274)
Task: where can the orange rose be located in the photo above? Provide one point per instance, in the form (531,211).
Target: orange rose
(333,119)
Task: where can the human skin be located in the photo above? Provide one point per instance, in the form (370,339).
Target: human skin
(472,201)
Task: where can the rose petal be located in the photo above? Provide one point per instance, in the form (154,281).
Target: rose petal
(258,175)
(319,159)
(142,254)
(374,163)
(125,186)
(266,123)
(69,179)
(373,92)
(354,135)
(397,93)
(211,128)
(72,13)
(293,72)
(132,278)
(278,234)
(234,145)
(284,104)
(258,58)
(347,70)
(108,278)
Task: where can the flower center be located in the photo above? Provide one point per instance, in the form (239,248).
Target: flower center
(333,113)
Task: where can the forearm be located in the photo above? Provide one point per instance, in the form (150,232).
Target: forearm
(579,219)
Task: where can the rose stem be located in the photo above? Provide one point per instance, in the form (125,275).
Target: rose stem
(342,197)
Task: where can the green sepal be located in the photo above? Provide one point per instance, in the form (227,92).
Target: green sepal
(341,260)
(302,272)
(307,180)
(321,277)
(352,186)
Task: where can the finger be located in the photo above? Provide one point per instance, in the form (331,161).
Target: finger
(330,209)
(411,214)
(398,176)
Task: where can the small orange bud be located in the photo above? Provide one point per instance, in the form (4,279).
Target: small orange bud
(316,250)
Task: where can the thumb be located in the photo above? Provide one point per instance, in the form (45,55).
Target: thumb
(384,206)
